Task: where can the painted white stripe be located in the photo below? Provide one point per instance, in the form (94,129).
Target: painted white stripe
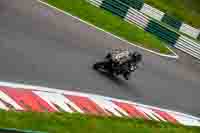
(192,42)
(56,90)
(150,113)
(108,106)
(182,48)
(185,120)
(99,1)
(153,107)
(134,11)
(133,20)
(3,107)
(96,2)
(106,102)
(136,17)
(152,12)
(7,99)
(188,46)
(174,56)
(58,99)
(189,30)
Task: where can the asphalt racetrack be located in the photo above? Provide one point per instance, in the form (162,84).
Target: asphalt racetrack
(41,46)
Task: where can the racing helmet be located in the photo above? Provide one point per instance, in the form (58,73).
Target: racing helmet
(137,56)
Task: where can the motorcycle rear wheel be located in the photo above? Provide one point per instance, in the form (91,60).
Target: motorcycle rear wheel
(126,76)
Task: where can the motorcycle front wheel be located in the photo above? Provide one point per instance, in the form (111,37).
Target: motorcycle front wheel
(99,65)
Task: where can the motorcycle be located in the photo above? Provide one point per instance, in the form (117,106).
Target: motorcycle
(109,67)
(119,62)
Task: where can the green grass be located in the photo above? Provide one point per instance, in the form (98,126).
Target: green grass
(185,10)
(77,123)
(111,23)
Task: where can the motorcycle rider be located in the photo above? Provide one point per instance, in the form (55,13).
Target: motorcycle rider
(131,64)
(123,60)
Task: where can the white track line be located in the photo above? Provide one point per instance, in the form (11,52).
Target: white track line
(56,90)
(175,56)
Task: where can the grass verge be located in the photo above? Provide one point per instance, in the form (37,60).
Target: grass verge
(77,123)
(185,10)
(110,23)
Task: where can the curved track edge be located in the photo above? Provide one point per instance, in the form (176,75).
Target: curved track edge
(174,56)
(24,97)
